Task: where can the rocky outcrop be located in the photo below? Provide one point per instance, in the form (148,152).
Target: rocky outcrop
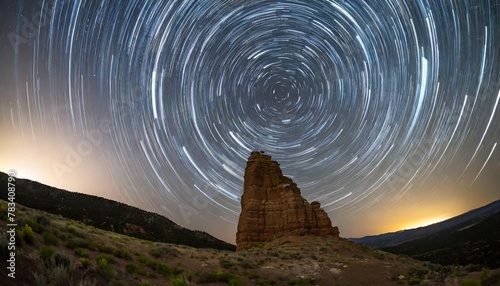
(272,206)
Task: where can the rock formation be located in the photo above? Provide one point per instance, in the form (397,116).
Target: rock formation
(272,206)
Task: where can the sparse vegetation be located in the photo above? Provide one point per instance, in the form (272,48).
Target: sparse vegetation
(470,282)
(28,235)
(226,263)
(122,253)
(61,260)
(48,238)
(35,227)
(43,220)
(46,253)
(77,242)
(163,252)
(85,262)
(80,252)
(105,267)
(106,257)
(488,278)
(93,261)
(100,247)
(180,281)
(219,276)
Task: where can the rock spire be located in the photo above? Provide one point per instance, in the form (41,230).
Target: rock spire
(272,206)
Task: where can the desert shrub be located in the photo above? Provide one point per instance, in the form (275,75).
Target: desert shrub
(28,235)
(413,281)
(101,247)
(418,272)
(296,280)
(87,282)
(3,212)
(60,276)
(77,242)
(36,227)
(472,267)
(48,238)
(45,253)
(488,279)
(219,276)
(226,263)
(62,236)
(122,253)
(19,238)
(265,282)
(161,268)
(85,262)
(470,282)
(62,260)
(106,257)
(70,229)
(81,252)
(105,268)
(143,259)
(40,279)
(164,251)
(252,275)
(379,255)
(131,268)
(177,271)
(43,220)
(180,281)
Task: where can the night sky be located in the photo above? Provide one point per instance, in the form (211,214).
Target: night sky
(385,111)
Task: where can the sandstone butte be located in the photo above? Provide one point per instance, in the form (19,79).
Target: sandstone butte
(272,206)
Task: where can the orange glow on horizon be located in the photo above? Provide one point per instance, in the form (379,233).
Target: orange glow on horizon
(424,222)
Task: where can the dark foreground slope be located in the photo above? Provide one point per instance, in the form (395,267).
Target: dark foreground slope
(108,215)
(53,250)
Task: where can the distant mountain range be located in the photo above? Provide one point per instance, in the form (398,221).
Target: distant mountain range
(109,215)
(470,238)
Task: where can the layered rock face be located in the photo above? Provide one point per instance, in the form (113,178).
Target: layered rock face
(272,206)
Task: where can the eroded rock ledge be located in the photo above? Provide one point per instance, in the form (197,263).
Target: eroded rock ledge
(272,206)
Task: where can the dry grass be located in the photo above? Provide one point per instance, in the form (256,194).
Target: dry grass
(66,252)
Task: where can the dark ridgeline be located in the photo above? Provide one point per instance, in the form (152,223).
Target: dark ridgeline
(109,215)
(470,238)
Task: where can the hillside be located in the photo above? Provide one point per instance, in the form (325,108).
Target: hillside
(52,250)
(395,238)
(470,238)
(108,215)
(474,243)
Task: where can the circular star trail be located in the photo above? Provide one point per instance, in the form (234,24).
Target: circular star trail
(359,101)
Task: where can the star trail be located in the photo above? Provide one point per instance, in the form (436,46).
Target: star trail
(376,108)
